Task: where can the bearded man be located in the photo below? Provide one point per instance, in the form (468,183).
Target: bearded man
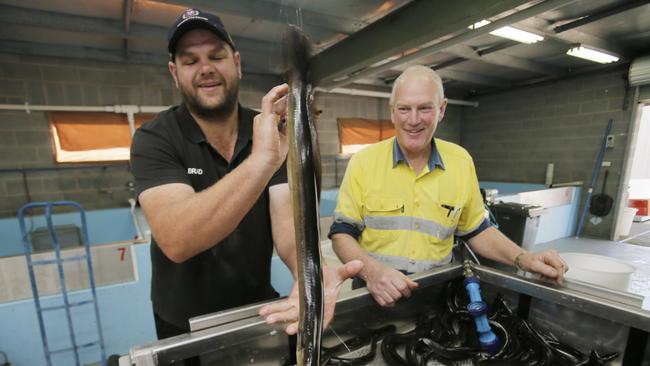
(211,180)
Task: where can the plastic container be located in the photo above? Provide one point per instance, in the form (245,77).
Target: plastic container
(599,270)
(625,221)
(642,205)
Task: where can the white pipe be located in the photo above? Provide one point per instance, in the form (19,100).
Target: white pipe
(385,95)
(462,102)
(577,183)
(152,109)
(131,120)
(350,91)
(550,167)
(72,108)
(136,222)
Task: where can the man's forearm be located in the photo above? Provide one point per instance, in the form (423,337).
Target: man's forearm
(284,237)
(493,244)
(347,249)
(197,221)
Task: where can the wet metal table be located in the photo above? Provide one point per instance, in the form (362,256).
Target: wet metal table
(585,318)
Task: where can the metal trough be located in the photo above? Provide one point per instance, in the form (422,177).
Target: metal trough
(583,316)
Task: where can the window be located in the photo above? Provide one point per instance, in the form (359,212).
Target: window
(357,133)
(92,136)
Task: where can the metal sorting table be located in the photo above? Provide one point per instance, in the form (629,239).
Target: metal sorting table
(587,318)
(635,254)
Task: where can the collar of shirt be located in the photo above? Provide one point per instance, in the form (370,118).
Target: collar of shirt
(434,158)
(193,132)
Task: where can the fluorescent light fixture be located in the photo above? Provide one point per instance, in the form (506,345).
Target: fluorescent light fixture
(517,35)
(510,33)
(479,24)
(591,55)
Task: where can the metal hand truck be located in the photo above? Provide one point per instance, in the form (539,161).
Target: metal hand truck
(48,206)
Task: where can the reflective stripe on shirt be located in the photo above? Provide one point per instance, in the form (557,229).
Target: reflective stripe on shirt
(410,265)
(421,225)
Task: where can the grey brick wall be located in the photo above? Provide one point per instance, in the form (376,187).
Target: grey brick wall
(331,107)
(25,138)
(514,135)
(511,135)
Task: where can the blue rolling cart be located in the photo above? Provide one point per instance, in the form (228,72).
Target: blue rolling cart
(58,261)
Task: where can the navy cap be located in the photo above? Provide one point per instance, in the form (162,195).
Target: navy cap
(193,19)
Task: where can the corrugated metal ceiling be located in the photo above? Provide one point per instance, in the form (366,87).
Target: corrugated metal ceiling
(351,36)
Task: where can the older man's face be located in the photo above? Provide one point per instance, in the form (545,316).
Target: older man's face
(416,112)
(207,72)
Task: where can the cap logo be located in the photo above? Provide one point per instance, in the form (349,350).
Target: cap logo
(190,13)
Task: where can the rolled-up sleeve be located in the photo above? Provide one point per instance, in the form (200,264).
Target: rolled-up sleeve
(153,161)
(473,219)
(348,215)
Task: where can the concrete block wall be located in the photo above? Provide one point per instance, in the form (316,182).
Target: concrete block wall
(450,127)
(25,140)
(25,137)
(512,136)
(331,107)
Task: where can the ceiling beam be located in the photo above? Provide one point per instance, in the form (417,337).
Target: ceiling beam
(103,27)
(409,27)
(271,12)
(472,78)
(569,37)
(602,14)
(128,10)
(249,64)
(58,50)
(501,59)
(51,20)
(350,59)
(575,73)
(80,24)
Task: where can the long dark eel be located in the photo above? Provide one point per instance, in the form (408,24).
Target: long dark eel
(447,338)
(304,181)
(368,339)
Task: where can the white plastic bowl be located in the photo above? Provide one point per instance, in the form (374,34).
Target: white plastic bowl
(599,270)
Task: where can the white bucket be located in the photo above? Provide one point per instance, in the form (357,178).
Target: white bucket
(625,220)
(599,270)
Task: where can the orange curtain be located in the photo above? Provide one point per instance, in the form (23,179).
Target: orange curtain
(358,131)
(81,131)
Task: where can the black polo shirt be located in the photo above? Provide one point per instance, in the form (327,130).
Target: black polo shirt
(173,149)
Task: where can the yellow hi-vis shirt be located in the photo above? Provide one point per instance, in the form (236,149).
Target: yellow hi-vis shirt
(409,221)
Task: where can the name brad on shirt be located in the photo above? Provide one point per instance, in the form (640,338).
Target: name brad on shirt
(194,171)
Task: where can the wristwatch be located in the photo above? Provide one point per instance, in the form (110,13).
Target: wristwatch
(518,261)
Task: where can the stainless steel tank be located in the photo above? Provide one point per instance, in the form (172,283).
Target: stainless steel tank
(583,316)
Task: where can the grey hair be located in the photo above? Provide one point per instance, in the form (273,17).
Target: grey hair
(423,72)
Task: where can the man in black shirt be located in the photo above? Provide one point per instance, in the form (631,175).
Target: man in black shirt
(211,181)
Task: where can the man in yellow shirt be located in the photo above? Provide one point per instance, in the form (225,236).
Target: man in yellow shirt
(403,200)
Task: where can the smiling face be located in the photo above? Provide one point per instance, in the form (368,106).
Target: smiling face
(416,110)
(207,72)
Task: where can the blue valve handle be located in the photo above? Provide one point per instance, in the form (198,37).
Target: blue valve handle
(478,310)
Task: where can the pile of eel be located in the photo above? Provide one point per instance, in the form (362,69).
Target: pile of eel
(446,335)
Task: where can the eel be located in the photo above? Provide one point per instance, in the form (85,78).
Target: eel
(304,173)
